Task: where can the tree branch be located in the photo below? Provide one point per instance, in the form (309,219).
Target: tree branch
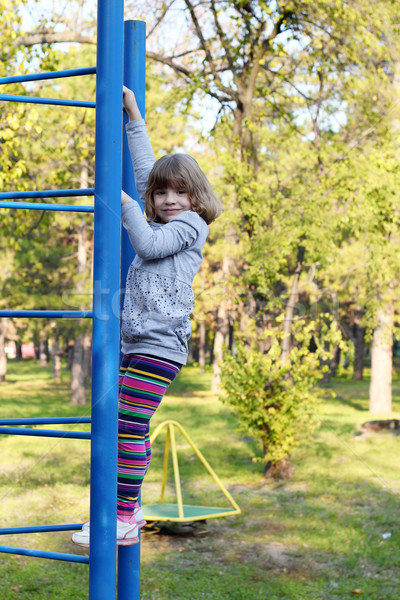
(222,37)
(47,36)
(204,46)
(189,76)
(165,9)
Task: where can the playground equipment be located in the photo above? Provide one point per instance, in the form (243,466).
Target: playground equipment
(120,58)
(183,513)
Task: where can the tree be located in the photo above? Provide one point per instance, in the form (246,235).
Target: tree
(65,159)
(289,83)
(275,399)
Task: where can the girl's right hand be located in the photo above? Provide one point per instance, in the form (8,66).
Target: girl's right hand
(125,198)
(130,104)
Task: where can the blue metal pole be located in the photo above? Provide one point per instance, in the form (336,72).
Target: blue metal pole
(45,554)
(45,421)
(107,232)
(134,78)
(51,101)
(44,206)
(47,194)
(40,529)
(55,433)
(47,75)
(40,314)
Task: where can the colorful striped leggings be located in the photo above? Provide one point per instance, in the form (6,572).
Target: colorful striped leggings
(143,381)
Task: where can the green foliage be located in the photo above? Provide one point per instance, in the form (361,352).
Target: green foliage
(318,536)
(276,401)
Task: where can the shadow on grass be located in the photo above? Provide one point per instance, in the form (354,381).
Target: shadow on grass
(323,542)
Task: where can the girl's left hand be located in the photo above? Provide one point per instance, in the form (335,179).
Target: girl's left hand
(125,198)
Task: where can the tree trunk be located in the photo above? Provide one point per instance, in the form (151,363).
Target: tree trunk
(289,314)
(18,350)
(36,345)
(78,387)
(70,355)
(202,346)
(221,330)
(56,357)
(3,355)
(222,327)
(220,340)
(78,392)
(87,359)
(359,346)
(380,390)
(43,349)
(335,360)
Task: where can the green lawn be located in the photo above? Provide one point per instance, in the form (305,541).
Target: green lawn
(320,535)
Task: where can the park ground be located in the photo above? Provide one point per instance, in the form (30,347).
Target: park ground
(330,532)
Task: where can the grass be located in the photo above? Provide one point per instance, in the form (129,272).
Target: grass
(319,535)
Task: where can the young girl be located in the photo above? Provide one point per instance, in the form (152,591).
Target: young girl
(179,203)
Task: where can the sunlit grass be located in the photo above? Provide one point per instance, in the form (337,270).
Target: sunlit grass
(320,535)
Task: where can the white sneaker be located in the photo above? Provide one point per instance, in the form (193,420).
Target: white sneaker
(137,513)
(139,517)
(127,534)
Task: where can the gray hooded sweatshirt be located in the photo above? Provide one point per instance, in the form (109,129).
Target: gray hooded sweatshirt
(159,297)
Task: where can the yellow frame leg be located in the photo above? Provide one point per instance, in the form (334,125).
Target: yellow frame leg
(167,512)
(165,467)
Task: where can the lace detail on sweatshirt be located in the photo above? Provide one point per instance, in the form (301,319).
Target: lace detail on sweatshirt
(156,305)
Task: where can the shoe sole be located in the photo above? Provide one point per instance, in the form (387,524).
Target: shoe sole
(80,544)
(128,542)
(139,525)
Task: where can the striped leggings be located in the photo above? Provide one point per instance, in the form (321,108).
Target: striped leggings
(143,381)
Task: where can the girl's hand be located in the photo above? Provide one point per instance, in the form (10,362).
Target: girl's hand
(125,198)
(131,107)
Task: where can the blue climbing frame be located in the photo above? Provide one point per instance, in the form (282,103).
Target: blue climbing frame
(120,58)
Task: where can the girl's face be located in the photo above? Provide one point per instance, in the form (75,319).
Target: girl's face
(170,202)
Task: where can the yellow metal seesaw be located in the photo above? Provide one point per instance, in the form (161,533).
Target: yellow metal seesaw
(183,513)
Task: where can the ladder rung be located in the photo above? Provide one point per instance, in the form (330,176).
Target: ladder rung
(51,207)
(46,194)
(78,435)
(46,421)
(40,529)
(55,314)
(43,554)
(48,75)
(52,101)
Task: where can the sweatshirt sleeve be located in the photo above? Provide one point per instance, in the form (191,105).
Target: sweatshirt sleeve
(179,234)
(141,153)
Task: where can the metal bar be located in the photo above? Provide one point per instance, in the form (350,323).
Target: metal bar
(45,421)
(51,101)
(207,465)
(52,207)
(107,260)
(78,435)
(40,529)
(176,471)
(54,314)
(134,78)
(165,468)
(43,554)
(47,75)
(47,194)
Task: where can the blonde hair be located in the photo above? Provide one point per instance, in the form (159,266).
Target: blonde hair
(183,171)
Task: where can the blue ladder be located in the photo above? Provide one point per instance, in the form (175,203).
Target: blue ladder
(120,57)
